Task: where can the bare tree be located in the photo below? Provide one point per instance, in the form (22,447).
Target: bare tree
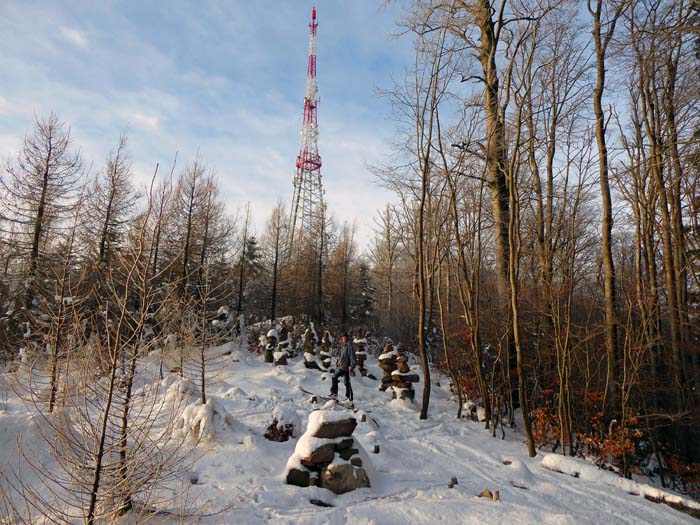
(275,242)
(39,193)
(110,206)
(605,16)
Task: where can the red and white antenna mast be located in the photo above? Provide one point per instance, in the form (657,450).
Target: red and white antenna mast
(307,203)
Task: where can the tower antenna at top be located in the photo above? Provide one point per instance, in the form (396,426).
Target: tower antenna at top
(307,201)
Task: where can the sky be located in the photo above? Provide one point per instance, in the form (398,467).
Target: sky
(222,78)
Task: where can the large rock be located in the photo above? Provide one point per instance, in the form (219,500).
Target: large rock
(335,429)
(387,364)
(344,443)
(347,453)
(298,477)
(313,365)
(323,454)
(344,478)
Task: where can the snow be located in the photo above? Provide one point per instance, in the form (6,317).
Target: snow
(586,471)
(387,355)
(286,414)
(204,421)
(307,443)
(238,477)
(319,417)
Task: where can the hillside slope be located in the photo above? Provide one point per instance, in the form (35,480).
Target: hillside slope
(240,477)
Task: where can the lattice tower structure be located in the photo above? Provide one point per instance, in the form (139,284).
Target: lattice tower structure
(308,208)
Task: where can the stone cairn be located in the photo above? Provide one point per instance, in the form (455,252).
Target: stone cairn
(327,456)
(270,346)
(310,350)
(279,357)
(325,353)
(397,372)
(361,354)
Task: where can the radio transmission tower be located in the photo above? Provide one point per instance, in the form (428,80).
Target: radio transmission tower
(307,213)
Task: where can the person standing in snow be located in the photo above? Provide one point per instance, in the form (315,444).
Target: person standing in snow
(344,365)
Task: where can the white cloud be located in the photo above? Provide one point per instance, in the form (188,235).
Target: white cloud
(149,121)
(74,36)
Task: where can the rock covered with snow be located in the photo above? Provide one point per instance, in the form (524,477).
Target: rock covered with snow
(279,358)
(271,338)
(326,353)
(286,423)
(310,361)
(397,372)
(327,456)
(309,342)
(361,354)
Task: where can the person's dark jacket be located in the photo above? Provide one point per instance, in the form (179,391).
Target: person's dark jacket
(346,359)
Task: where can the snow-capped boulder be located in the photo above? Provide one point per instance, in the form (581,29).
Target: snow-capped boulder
(327,455)
(335,428)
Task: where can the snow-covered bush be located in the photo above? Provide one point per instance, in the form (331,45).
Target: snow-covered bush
(204,421)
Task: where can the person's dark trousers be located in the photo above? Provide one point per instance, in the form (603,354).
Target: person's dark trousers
(334,383)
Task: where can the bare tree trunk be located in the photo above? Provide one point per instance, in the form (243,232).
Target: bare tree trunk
(38,229)
(241,262)
(191,197)
(448,364)
(321,241)
(496,153)
(601,42)
(273,305)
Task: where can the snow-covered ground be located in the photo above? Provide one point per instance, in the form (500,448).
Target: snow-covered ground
(239,478)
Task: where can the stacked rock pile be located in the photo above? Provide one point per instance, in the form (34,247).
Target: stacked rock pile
(285,341)
(397,372)
(387,362)
(327,456)
(309,350)
(280,356)
(270,346)
(325,353)
(361,354)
